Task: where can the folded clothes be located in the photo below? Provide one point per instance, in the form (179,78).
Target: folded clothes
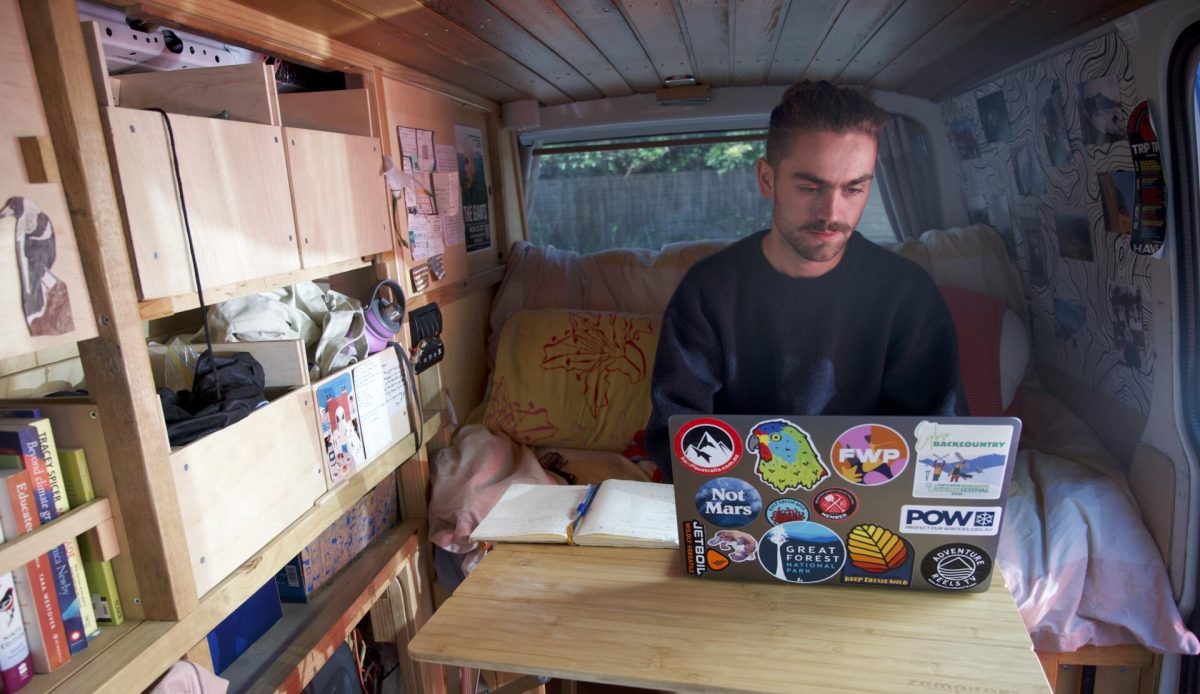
(225,390)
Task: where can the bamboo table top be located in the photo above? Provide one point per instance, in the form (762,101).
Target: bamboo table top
(631,617)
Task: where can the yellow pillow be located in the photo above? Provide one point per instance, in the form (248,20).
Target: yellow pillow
(573,379)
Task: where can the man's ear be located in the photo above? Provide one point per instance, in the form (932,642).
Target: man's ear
(766,179)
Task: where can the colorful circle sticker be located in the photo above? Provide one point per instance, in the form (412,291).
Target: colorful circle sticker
(728,502)
(801,552)
(708,446)
(785,511)
(870,454)
(956,566)
(740,546)
(835,504)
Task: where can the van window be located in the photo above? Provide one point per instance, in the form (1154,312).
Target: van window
(650,191)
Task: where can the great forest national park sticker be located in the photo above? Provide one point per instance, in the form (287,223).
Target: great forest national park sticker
(801,552)
(737,545)
(695,561)
(728,502)
(950,520)
(835,504)
(708,446)
(787,459)
(870,454)
(956,566)
(785,511)
(878,556)
(961,461)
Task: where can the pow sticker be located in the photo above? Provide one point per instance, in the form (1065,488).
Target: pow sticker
(708,446)
(787,459)
(877,556)
(801,552)
(739,545)
(870,454)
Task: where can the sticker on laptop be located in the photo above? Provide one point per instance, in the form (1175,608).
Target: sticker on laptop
(835,504)
(785,511)
(737,545)
(878,556)
(950,520)
(961,461)
(787,459)
(801,552)
(695,558)
(715,560)
(956,566)
(870,455)
(728,502)
(708,446)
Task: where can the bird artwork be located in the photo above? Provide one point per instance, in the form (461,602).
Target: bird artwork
(44,297)
(787,458)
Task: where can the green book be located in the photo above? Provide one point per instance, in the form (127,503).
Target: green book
(77,480)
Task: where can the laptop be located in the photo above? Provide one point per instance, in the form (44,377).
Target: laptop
(900,502)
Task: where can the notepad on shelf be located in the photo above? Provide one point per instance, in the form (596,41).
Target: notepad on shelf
(621,513)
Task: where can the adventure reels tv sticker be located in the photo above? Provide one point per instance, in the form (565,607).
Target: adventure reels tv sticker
(708,446)
(787,459)
(964,461)
(870,454)
(728,502)
(956,566)
(878,556)
(801,552)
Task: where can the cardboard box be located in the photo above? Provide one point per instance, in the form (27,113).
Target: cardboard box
(244,626)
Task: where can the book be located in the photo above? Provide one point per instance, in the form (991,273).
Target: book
(61,505)
(615,513)
(337,415)
(16,665)
(23,441)
(38,600)
(77,480)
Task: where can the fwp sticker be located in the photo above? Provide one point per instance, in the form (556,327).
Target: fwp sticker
(787,459)
(964,461)
(870,454)
(708,446)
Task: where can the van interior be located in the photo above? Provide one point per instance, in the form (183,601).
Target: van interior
(312,283)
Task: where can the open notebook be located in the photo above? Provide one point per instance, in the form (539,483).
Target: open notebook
(620,514)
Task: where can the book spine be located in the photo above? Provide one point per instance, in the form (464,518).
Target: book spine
(27,444)
(44,634)
(104,599)
(16,665)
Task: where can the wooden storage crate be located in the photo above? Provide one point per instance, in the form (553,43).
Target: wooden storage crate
(284,362)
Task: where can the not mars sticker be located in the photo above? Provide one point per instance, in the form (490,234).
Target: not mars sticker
(961,461)
(708,446)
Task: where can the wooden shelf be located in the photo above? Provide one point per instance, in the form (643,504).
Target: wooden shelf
(109,637)
(21,550)
(142,656)
(288,656)
(453,291)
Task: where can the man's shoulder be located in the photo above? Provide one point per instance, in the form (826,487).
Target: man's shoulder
(721,263)
(884,261)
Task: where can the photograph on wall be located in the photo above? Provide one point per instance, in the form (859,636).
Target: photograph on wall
(1100,113)
(1052,123)
(337,410)
(473,181)
(1125,313)
(45,298)
(1074,236)
(1116,199)
(1002,222)
(977,209)
(993,114)
(1070,317)
(1037,253)
(962,134)
(1027,170)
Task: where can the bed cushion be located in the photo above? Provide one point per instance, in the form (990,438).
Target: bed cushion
(993,350)
(573,379)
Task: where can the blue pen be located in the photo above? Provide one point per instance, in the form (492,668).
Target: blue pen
(581,511)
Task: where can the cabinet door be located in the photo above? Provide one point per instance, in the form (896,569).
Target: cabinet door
(339,195)
(43,296)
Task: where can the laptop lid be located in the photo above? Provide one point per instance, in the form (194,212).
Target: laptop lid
(903,502)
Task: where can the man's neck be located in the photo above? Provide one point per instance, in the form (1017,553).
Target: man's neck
(786,261)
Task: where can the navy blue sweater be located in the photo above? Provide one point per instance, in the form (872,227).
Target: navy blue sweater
(871,336)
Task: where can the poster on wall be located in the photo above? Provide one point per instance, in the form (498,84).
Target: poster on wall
(1100,111)
(993,114)
(1125,315)
(1116,199)
(44,296)
(1150,197)
(1037,258)
(1052,123)
(1074,235)
(473,182)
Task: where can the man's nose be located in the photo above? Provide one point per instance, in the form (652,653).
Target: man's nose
(830,207)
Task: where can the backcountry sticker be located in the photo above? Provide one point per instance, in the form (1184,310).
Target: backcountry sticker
(740,546)
(708,446)
(695,560)
(878,556)
(728,502)
(956,566)
(963,461)
(786,510)
(787,459)
(801,552)
(835,504)
(870,454)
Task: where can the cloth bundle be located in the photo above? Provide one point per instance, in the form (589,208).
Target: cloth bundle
(225,390)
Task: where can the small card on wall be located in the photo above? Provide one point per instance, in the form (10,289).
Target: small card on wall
(420,277)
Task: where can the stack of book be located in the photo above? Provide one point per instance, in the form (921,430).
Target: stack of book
(51,606)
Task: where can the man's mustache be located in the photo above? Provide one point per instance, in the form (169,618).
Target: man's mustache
(825,226)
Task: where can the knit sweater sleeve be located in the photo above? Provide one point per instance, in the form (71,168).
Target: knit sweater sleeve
(921,376)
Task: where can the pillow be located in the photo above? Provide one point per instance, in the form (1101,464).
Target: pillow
(575,379)
(993,350)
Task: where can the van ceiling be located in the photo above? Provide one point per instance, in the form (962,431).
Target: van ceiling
(560,51)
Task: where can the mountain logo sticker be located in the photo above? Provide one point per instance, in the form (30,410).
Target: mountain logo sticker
(708,446)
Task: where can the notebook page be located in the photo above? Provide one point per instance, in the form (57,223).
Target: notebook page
(627,513)
(531,513)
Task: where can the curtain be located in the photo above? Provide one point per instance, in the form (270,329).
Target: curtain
(906,179)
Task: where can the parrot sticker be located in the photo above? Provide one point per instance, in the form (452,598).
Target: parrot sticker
(787,459)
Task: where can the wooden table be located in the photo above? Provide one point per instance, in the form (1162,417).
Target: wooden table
(630,617)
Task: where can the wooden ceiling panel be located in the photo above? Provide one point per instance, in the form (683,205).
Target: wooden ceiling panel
(909,23)
(547,21)
(657,27)
(757,25)
(804,28)
(706,27)
(606,27)
(852,30)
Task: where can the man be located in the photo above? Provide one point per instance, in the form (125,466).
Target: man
(807,317)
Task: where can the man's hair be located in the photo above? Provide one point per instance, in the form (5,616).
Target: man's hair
(809,105)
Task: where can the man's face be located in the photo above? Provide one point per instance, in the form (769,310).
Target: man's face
(819,190)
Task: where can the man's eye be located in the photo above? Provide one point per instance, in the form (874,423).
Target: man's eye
(855,191)
(810,190)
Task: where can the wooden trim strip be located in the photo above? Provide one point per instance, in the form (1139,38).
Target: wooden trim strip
(109,637)
(1102,656)
(459,290)
(21,550)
